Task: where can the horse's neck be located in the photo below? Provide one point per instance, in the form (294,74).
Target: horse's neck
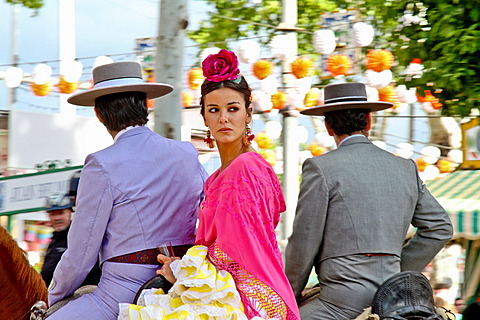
(20,284)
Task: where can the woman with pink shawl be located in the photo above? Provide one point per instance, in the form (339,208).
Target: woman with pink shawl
(237,219)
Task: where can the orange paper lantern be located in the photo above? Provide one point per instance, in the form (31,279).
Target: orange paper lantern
(429,97)
(262,68)
(279,99)
(269,156)
(315,149)
(388,94)
(445,165)
(421,164)
(379,60)
(339,64)
(303,67)
(311,98)
(195,78)
(187,99)
(263,141)
(66,87)
(41,89)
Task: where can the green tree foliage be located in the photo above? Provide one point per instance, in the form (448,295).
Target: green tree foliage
(31,4)
(236,19)
(444,34)
(449,46)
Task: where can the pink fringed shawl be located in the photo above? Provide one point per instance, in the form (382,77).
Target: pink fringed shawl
(238,217)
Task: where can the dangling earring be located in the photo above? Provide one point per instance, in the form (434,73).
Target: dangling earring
(208,140)
(247,140)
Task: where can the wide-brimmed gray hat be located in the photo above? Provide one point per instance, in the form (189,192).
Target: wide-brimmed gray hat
(118,77)
(343,96)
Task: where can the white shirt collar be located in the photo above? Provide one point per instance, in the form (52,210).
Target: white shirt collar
(123,131)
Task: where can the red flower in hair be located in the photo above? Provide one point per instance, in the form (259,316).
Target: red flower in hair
(221,66)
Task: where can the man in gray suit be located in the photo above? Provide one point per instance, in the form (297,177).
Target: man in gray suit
(355,206)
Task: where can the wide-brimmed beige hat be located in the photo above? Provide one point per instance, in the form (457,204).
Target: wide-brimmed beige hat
(118,77)
(343,96)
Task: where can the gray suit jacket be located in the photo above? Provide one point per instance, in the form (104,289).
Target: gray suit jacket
(362,199)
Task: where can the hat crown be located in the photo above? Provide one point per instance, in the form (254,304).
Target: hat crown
(345,92)
(117,70)
(58,201)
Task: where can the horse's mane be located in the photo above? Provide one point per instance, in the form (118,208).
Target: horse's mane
(20,284)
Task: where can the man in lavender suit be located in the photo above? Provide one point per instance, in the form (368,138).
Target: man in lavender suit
(139,193)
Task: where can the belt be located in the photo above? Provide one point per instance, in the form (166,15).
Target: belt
(148,256)
(376,254)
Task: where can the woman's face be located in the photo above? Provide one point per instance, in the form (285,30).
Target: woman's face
(225,115)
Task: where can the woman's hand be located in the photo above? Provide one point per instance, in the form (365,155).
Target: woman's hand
(166,271)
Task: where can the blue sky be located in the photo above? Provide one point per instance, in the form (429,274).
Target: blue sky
(106,27)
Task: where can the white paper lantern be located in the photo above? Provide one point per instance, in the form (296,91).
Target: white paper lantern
(13,77)
(414,69)
(102,60)
(262,102)
(324,41)
(248,51)
(431,154)
(430,172)
(372,94)
(323,139)
(362,34)
(41,73)
(208,51)
(203,157)
(304,155)
(273,129)
(404,150)
(455,155)
(378,79)
(295,100)
(72,71)
(405,95)
(268,85)
(301,133)
(382,145)
(302,85)
(282,48)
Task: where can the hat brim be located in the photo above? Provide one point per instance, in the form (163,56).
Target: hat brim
(152,90)
(372,106)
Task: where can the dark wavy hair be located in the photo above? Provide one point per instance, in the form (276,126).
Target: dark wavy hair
(347,121)
(242,87)
(121,110)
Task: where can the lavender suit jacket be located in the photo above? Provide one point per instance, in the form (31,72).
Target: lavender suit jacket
(140,192)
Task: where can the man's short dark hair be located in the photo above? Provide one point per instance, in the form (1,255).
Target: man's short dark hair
(347,121)
(121,110)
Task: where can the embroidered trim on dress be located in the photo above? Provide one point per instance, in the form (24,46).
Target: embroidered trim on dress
(258,298)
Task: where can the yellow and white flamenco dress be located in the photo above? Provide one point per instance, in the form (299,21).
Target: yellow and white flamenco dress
(200,292)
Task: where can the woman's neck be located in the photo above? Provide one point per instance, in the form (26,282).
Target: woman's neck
(230,152)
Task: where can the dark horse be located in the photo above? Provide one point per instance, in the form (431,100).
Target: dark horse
(20,284)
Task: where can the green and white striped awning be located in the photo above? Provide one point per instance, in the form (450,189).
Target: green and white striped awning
(459,194)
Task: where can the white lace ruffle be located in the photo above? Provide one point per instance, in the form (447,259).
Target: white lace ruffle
(200,289)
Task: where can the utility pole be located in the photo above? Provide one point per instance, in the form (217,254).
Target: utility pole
(66,46)
(12,91)
(290,181)
(168,66)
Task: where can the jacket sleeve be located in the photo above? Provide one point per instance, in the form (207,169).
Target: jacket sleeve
(94,204)
(308,227)
(434,229)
